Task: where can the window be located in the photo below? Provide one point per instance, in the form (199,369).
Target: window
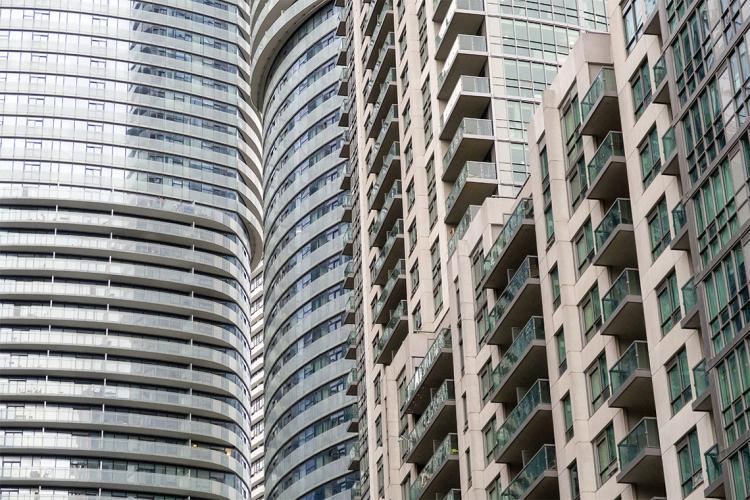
(678,376)
(413,235)
(555,281)
(669,303)
(658,228)
(562,354)
(577,183)
(650,157)
(606,454)
(584,244)
(414,278)
(568,416)
(571,122)
(591,313)
(632,18)
(641,86)
(381,479)
(598,382)
(488,435)
(575,488)
(418,317)
(410,196)
(689,459)
(378,431)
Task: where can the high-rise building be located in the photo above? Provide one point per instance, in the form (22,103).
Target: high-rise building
(308,414)
(129,227)
(580,333)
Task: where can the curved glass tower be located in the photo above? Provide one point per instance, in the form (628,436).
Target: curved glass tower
(129,225)
(307,409)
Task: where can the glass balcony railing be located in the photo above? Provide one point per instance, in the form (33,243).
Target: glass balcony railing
(472,5)
(689,297)
(469,126)
(700,379)
(446,392)
(713,465)
(393,276)
(644,435)
(446,449)
(679,217)
(543,460)
(461,228)
(392,194)
(669,143)
(442,341)
(524,210)
(533,330)
(603,82)
(473,43)
(628,283)
(610,146)
(466,84)
(537,395)
(351,379)
(660,68)
(475,169)
(528,269)
(396,315)
(618,213)
(634,358)
(454,494)
(390,240)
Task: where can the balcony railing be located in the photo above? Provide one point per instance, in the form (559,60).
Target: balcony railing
(543,460)
(700,378)
(466,84)
(528,269)
(618,213)
(446,449)
(611,146)
(463,42)
(537,395)
(393,234)
(644,435)
(476,169)
(533,330)
(603,81)
(679,217)
(396,315)
(461,228)
(469,126)
(689,297)
(713,465)
(660,69)
(669,143)
(393,193)
(634,358)
(627,284)
(524,210)
(393,276)
(442,341)
(446,392)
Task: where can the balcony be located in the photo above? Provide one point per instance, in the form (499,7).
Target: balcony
(630,379)
(392,251)
(463,16)
(702,384)
(351,345)
(346,140)
(470,98)
(348,206)
(349,272)
(346,176)
(473,140)
(343,88)
(661,82)
(607,174)
(350,311)
(393,291)
(440,474)
(438,419)
(520,300)
(352,382)
(516,240)
(387,216)
(354,457)
(690,318)
(436,366)
(715,473)
(521,364)
(387,136)
(389,173)
(461,228)
(353,425)
(343,53)
(393,335)
(651,25)
(681,240)
(669,145)
(467,57)
(527,427)
(537,479)
(384,102)
(640,455)
(348,241)
(383,64)
(600,112)
(383,27)
(614,237)
(622,307)
(477,181)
